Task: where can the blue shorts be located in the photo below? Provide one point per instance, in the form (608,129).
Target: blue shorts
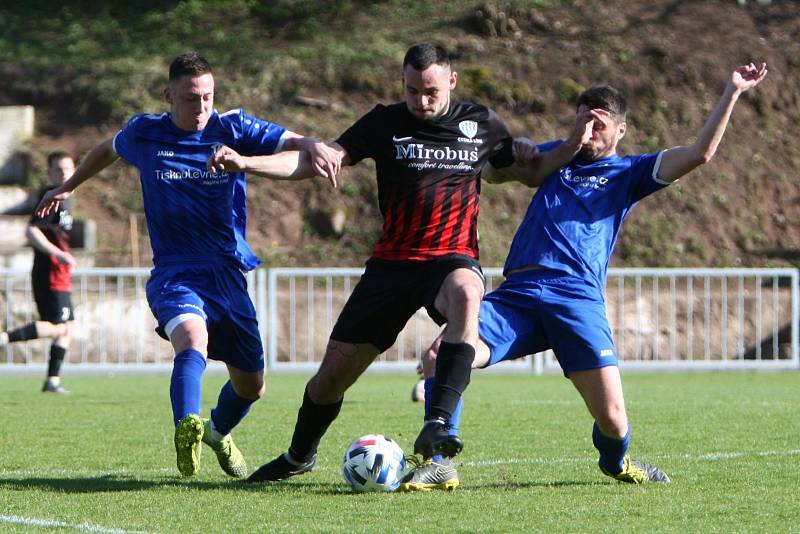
(538,310)
(217,292)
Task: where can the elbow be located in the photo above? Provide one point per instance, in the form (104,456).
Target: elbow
(706,156)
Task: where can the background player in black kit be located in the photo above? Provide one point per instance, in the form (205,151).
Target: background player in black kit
(51,281)
(429,154)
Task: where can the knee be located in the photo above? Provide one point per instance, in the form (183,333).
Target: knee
(190,335)
(251,389)
(468,293)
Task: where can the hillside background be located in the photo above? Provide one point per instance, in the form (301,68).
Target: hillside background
(317,66)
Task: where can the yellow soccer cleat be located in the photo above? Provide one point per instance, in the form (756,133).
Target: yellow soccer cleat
(230,458)
(188,435)
(429,475)
(636,472)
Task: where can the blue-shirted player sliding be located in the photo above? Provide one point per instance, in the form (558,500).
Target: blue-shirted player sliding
(196,219)
(556,270)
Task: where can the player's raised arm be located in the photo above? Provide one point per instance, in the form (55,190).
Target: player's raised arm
(100,157)
(680,160)
(288,165)
(532,167)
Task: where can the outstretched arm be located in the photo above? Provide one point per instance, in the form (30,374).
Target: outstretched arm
(531,167)
(98,159)
(680,160)
(325,160)
(290,165)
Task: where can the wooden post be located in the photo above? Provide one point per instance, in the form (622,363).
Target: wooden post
(134,224)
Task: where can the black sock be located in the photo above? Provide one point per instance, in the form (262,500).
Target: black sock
(23,333)
(453,367)
(57,355)
(313,421)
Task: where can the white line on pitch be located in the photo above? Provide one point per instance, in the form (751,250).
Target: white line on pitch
(47,523)
(713,456)
(707,456)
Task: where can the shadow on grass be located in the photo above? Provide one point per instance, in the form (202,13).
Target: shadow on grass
(341,489)
(109,483)
(116,483)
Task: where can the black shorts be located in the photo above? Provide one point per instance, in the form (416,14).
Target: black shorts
(54,306)
(389,293)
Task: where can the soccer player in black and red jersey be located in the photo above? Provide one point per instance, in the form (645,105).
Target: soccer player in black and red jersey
(52,265)
(429,153)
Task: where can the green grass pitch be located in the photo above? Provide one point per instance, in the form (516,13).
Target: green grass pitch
(101,460)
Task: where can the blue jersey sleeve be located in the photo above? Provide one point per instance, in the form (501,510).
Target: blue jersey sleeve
(254,136)
(125,143)
(644,176)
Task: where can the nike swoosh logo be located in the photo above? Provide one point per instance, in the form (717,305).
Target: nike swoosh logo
(400,139)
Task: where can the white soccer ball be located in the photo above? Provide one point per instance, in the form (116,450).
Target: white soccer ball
(418,393)
(373,463)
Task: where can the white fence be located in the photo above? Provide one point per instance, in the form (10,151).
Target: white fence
(661,319)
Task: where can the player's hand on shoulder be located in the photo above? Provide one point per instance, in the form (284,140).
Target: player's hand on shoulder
(326,160)
(50,201)
(525,151)
(225,159)
(748,76)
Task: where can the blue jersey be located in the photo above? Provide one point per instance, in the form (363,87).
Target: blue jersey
(191,213)
(574,218)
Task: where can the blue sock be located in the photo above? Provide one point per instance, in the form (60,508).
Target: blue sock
(612,450)
(231,408)
(184,387)
(455,420)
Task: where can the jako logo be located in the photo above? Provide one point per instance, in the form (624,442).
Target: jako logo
(166,153)
(468,128)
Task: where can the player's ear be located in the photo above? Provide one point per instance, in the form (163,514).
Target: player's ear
(622,128)
(167,95)
(453,79)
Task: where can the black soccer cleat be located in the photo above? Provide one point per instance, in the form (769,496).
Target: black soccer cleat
(434,438)
(280,468)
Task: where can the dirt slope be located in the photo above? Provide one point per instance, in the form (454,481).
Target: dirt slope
(670,56)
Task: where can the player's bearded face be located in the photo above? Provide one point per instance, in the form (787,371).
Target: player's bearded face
(191,100)
(427,92)
(606,133)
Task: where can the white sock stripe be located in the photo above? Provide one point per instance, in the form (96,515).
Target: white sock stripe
(48,523)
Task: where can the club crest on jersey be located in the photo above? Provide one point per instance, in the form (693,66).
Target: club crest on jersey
(468,128)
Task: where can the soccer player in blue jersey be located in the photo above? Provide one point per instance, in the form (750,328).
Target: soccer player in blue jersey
(552,297)
(196,219)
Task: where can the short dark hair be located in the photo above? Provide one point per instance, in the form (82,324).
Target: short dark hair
(423,55)
(607,98)
(57,155)
(190,63)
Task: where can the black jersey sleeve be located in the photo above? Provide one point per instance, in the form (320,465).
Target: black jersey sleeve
(359,140)
(500,153)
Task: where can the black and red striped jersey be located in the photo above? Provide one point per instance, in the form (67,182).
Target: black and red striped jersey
(429,175)
(55,227)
